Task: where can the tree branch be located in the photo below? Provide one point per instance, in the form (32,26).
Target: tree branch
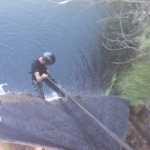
(125,62)
(119,49)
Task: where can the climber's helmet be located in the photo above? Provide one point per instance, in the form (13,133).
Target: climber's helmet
(49,58)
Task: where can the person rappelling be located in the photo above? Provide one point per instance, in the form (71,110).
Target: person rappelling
(41,74)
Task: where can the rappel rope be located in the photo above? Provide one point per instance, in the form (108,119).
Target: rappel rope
(109,132)
(81,127)
(83,130)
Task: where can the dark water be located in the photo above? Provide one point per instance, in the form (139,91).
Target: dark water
(71,31)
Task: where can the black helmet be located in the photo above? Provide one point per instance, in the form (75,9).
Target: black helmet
(49,58)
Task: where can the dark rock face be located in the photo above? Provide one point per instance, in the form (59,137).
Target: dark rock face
(29,120)
(139,129)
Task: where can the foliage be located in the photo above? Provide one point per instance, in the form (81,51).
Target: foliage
(117,45)
(135,83)
(126,41)
(144,40)
(127,20)
(109,89)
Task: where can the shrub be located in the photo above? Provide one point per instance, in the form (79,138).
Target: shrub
(135,84)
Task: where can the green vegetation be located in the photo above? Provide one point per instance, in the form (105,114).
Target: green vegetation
(126,41)
(109,89)
(144,40)
(118,31)
(135,84)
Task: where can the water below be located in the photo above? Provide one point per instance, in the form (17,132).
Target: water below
(69,29)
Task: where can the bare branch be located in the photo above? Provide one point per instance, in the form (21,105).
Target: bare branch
(119,49)
(108,38)
(127,46)
(125,62)
(110,49)
(122,43)
(138,31)
(131,42)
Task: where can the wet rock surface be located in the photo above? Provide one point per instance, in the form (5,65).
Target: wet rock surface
(31,121)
